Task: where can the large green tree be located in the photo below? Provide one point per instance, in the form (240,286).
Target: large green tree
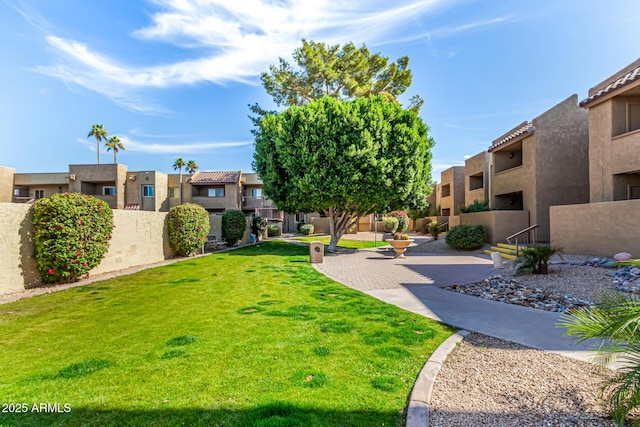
(340,72)
(345,72)
(344,158)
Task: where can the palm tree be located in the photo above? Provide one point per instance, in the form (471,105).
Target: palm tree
(100,133)
(614,322)
(192,166)
(178,165)
(114,144)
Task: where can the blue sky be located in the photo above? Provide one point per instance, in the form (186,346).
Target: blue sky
(173,78)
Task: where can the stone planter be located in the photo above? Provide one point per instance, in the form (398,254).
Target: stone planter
(399,246)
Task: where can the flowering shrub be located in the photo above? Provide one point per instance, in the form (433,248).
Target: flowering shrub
(234,223)
(188,228)
(72,233)
(403,220)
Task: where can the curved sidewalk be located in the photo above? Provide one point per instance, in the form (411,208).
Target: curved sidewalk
(414,283)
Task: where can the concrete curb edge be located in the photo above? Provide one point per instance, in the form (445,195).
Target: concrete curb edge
(418,410)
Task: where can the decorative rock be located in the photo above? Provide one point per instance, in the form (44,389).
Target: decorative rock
(622,256)
(635,271)
(510,291)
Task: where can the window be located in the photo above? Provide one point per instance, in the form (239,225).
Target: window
(16,192)
(109,191)
(148,191)
(633,117)
(216,192)
(256,193)
(174,192)
(299,217)
(476,182)
(39,194)
(446,190)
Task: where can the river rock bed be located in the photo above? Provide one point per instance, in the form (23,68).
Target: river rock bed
(510,291)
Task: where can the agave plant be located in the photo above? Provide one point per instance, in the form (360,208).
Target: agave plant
(615,322)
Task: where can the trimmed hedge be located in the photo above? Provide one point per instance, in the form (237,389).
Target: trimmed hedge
(307,229)
(188,228)
(273,230)
(72,233)
(466,237)
(234,224)
(390,224)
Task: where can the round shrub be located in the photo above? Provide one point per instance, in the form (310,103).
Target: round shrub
(188,228)
(390,224)
(466,237)
(72,233)
(307,229)
(258,227)
(273,230)
(234,223)
(403,220)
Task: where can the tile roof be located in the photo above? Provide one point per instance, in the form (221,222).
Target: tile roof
(521,129)
(215,177)
(628,75)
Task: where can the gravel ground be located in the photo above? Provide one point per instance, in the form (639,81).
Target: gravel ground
(490,382)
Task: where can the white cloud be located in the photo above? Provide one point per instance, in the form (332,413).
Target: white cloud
(467,156)
(233,41)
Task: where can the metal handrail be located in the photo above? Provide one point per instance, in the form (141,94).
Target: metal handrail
(526,230)
(444,224)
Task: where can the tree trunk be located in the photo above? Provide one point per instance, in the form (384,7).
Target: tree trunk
(338,224)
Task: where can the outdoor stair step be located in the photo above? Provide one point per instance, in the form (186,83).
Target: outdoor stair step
(502,254)
(503,250)
(507,246)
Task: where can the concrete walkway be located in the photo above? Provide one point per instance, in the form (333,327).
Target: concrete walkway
(413,283)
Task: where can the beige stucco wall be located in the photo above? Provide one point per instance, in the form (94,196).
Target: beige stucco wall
(498,224)
(601,229)
(139,238)
(562,160)
(454,177)
(600,131)
(6,184)
(17,266)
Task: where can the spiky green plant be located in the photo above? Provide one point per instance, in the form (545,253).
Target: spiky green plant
(615,323)
(534,259)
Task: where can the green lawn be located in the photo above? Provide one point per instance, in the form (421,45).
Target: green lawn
(252,337)
(345,242)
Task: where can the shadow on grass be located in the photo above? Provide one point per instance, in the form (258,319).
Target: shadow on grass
(276,414)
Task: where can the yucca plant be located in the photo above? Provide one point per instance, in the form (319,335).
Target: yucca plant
(615,322)
(534,259)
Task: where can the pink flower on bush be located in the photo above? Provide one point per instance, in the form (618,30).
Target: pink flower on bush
(51,271)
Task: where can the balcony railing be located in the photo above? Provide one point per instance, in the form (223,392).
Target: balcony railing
(272,214)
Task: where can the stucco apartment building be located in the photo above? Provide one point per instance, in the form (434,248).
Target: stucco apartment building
(143,190)
(613,107)
(542,163)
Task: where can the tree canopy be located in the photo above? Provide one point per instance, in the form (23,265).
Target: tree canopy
(345,72)
(344,158)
